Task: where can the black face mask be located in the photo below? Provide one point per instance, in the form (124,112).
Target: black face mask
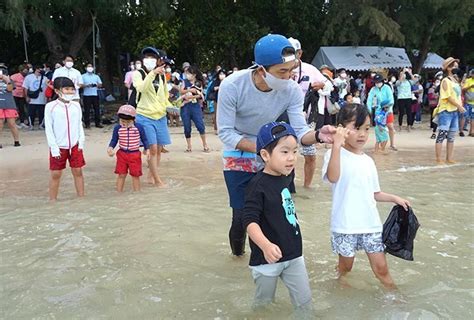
(457,71)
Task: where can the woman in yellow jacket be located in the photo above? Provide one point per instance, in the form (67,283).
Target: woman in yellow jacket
(447,111)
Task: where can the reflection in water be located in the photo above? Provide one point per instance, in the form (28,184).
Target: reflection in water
(163,253)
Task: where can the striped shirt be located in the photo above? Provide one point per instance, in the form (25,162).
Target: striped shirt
(129,139)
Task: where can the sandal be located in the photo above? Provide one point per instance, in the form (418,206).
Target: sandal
(207,149)
(393,148)
(188,150)
(433,136)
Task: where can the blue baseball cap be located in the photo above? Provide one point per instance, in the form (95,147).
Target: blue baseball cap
(268,50)
(266,136)
(153,50)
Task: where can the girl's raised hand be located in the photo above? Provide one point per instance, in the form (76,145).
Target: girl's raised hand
(340,136)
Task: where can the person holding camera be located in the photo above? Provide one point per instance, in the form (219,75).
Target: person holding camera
(404,96)
(8,110)
(151,100)
(34,88)
(90,96)
(191,110)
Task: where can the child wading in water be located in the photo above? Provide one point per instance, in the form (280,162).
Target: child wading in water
(128,135)
(355,221)
(270,220)
(381,130)
(63,127)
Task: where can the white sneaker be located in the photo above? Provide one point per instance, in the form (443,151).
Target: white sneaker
(17,126)
(23,125)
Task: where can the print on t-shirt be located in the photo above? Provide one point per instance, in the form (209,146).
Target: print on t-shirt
(289,207)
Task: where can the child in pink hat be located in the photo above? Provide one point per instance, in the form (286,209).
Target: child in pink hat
(129,136)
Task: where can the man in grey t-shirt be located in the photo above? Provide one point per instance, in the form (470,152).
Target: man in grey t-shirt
(248,99)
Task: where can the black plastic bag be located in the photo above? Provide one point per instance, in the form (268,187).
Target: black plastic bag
(399,231)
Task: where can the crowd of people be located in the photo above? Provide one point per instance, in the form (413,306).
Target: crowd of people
(262,115)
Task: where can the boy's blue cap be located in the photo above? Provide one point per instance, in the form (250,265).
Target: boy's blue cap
(265,136)
(268,50)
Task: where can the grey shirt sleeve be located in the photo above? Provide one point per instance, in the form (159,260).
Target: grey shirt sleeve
(227,102)
(296,115)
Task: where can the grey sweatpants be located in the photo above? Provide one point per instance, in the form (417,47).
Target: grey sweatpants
(294,276)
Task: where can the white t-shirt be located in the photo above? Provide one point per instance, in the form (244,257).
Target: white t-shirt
(72,74)
(354,209)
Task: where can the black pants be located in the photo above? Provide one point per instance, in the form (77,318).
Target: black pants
(91,102)
(21,106)
(433,125)
(35,110)
(237,233)
(404,107)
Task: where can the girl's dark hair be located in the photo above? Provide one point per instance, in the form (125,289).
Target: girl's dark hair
(194,70)
(352,112)
(63,82)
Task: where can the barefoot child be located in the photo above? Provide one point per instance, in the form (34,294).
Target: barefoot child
(65,135)
(381,130)
(355,221)
(270,220)
(128,135)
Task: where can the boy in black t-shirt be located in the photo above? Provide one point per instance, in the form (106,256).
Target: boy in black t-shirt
(270,220)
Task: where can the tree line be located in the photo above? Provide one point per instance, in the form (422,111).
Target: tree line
(210,32)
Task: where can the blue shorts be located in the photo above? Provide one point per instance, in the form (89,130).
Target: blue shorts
(236,182)
(156,131)
(469,114)
(448,121)
(347,244)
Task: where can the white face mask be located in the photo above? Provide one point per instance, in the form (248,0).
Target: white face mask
(379,85)
(69,64)
(90,69)
(67,97)
(30,70)
(149,63)
(372,75)
(343,75)
(138,66)
(221,77)
(168,70)
(437,83)
(393,79)
(132,67)
(275,83)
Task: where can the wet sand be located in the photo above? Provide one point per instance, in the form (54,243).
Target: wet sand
(163,253)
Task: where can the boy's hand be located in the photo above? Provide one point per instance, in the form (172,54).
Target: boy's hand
(340,136)
(400,201)
(110,151)
(272,253)
(326,133)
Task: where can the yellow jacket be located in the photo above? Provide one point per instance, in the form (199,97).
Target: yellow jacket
(152,103)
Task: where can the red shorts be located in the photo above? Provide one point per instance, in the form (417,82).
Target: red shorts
(129,162)
(390,118)
(75,157)
(8,113)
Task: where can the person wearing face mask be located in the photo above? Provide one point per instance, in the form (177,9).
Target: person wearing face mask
(448,109)
(192,92)
(70,72)
(404,97)
(342,83)
(248,99)
(468,91)
(19,95)
(368,84)
(214,94)
(34,87)
(382,92)
(417,103)
(433,98)
(151,101)
(90,96)
(128,78)
(65,135)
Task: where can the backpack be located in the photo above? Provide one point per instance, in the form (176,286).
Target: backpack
(134,97)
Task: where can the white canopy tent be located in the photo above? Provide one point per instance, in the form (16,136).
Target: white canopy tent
(361,58)
(433,61)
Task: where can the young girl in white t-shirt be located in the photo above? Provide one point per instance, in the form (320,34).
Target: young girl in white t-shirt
(355,221)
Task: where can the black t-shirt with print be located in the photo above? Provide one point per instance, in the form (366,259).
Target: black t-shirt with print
(268,203)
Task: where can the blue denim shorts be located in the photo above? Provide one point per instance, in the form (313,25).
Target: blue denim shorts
(156,131)
(448,121)
(469,114)
(347,244)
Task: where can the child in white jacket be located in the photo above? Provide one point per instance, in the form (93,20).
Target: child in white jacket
(63,127)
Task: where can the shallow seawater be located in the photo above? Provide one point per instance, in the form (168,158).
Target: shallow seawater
(163,254)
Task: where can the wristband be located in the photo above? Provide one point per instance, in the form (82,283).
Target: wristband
(316,136)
